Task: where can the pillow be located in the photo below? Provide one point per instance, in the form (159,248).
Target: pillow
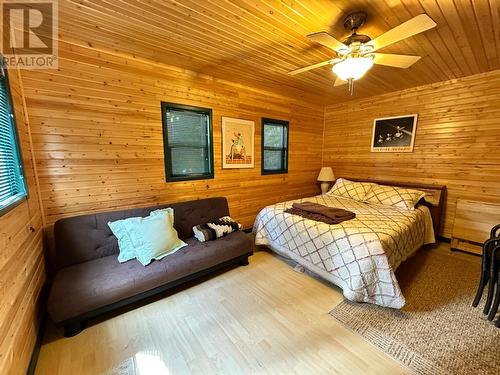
(159,211)
(216,229)
(350,189)
(154,237)
(127,249)
(394,196)
(148,238)
(125,245)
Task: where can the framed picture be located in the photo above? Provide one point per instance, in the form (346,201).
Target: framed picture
(394,134)
(237,143)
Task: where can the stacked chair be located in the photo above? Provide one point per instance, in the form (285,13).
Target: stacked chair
(490,274)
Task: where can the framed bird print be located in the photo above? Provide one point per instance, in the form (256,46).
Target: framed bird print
(394,134)
(237,143)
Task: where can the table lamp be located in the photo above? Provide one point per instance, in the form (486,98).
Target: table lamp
(326,176)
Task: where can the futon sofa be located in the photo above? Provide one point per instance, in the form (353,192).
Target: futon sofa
(90,281)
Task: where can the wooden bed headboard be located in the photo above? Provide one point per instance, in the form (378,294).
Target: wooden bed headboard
(434,197)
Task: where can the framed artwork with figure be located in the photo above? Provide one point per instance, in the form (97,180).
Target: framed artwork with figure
(237,143)
(394,134)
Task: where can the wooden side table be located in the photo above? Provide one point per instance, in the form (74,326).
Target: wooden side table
(472,225)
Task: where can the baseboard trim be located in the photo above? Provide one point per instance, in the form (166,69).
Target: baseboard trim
(41,331)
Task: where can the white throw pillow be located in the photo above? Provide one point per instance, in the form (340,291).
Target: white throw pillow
(147,238)
(154,237)
(351,189)
(394,196)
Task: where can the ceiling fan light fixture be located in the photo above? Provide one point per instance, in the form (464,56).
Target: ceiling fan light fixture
(352,68)
(355,56)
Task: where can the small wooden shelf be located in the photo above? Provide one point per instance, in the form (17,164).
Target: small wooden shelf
(472,225)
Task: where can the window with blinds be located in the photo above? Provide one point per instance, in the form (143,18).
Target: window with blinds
(274,146)
(187,133)
(12,183)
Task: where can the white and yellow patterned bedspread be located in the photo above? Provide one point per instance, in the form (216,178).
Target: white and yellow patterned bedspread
(358,255)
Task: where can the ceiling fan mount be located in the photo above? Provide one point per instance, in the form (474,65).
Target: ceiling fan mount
(354,21)
(355,56)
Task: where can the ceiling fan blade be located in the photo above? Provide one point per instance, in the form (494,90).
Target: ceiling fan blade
(339,82)
(310,67)
(396,61)
(409,28)
(327,40)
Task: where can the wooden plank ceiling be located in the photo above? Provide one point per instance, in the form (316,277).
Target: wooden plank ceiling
(258,42)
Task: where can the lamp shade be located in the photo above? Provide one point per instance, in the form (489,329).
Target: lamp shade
(352,67)
(326,174)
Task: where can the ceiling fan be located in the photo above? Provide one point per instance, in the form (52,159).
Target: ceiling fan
(355,56)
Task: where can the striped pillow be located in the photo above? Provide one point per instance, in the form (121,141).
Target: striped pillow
(403,198)
(216,229)
(350,189)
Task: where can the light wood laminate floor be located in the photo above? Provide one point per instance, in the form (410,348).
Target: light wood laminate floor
(263,318)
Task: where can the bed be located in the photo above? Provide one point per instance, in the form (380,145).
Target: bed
(359,255)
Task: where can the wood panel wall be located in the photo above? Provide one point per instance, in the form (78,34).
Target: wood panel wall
(94,133)
(97,136)
(22,266)
(457,141)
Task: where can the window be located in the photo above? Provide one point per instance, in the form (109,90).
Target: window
(12,183)
(187,139)
(274,146)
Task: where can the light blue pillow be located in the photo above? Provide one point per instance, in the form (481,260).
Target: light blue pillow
(147,238)
(162,210)
(153,237)
(119,229)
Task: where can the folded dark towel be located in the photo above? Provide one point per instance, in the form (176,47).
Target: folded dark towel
(331,212)
(318,212)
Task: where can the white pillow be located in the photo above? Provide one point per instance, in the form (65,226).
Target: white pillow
(154,237)
(147,238)
(394,196)
(351,189)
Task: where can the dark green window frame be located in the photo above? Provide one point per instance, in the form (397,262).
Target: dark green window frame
(284,149)
(13,189)
(170,176)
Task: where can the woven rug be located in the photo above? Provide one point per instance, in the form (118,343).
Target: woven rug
(437,331)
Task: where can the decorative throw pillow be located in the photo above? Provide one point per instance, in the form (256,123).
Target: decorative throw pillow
(154,237)
(161,210)
(125,245)
(394,196)
(216,229)
(148,238)
(351,189)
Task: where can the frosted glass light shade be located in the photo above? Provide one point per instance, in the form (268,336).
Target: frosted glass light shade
(326,174)
(352,67)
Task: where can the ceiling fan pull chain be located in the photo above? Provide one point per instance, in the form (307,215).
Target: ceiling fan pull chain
(351,86)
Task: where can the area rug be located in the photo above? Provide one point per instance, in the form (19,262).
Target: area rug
(437,331)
